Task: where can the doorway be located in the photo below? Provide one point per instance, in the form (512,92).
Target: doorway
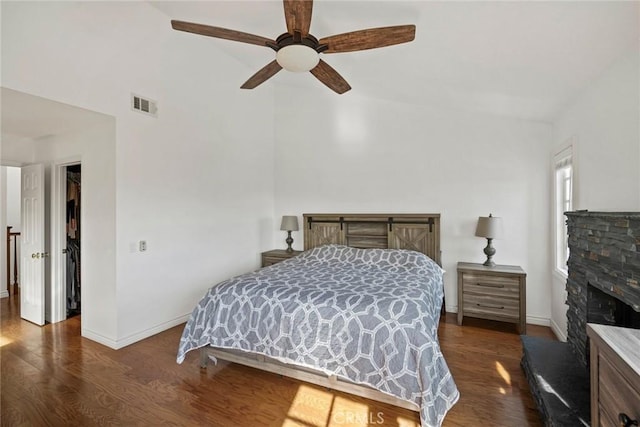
(62,287)
(73,285)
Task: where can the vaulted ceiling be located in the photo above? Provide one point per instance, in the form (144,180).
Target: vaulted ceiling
(524,59)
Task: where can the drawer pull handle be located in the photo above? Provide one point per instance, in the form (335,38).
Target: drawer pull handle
(625,421)
(490,285)
(499,307)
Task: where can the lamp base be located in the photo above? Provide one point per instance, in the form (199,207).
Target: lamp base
(489,251)
(289,241)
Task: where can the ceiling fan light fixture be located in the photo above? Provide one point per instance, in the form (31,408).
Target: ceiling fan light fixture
(297,50)
(297,58)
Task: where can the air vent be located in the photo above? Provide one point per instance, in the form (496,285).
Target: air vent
(144,105)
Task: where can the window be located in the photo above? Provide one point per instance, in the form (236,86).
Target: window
(563,179)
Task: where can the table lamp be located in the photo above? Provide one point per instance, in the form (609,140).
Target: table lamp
(489,227)
(289,224)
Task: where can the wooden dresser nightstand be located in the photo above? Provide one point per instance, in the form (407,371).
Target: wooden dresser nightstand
(277,255)
(615,375)
(495,293)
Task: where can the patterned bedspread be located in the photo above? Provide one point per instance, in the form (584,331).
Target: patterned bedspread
(370,316)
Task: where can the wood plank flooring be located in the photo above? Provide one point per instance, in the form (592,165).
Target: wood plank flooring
(50,376)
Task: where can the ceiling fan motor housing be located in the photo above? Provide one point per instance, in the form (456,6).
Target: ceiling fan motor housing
(288,39)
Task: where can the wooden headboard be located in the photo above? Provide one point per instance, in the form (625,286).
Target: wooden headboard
(417,232)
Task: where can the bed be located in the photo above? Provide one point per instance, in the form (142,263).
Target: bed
(357,311)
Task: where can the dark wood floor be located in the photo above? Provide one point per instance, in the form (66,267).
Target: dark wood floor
(50,376)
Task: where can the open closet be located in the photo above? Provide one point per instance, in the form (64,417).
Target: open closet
(73,240)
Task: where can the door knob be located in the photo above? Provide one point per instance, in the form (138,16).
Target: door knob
(36,255)
(45,254)
(64,251)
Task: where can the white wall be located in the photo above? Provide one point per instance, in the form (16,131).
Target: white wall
(3,233)
(13,198)
(95,149)
(605,123)
(348,153)
(9,216)
(17,151)
(605,120)
(13,210)
(196,182)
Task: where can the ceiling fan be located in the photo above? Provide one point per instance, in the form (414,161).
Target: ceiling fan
(297,50)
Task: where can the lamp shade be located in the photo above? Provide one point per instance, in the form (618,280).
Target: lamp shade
(489,227)
(289,223)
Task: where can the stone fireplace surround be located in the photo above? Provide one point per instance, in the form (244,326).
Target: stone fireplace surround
(603,254)
(604,273)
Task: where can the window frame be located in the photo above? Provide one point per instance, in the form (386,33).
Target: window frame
(563,171)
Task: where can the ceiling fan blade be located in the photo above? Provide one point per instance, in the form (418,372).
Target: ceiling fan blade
(221,33)
(369,39)
(297,13)
(262,75)
(330,77)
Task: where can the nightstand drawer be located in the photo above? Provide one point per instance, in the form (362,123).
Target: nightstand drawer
(491,305)
(277,255)
(491,285)
(270,260)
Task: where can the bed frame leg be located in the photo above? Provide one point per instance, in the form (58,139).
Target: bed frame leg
(204,358)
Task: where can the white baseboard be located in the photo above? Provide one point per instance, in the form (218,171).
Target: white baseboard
(558,332)
(4,294)
(534,320)
(98,338)
(138,336)
(541,321)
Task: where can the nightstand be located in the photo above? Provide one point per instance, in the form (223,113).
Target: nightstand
(495,293)
(277,255)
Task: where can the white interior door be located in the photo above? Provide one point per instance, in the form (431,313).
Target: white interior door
(32,253)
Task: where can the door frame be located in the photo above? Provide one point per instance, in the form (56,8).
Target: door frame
(59,237)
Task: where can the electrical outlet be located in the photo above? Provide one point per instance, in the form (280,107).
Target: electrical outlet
(142,245)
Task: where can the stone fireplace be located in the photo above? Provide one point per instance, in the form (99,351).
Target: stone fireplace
(604,273)
(602,287)
(604,309)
